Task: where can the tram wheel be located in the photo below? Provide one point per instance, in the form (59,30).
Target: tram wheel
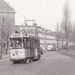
(37,58)
(25,60)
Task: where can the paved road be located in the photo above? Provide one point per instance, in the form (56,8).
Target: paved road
(51,63)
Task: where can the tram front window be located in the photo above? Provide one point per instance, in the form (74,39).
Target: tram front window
(16,43)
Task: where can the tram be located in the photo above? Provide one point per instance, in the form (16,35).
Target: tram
(24,47)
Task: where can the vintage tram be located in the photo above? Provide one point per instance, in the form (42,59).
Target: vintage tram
(24,47)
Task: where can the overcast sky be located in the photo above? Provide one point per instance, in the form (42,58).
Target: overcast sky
(45,12)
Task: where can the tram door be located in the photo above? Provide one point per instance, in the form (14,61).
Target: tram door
(36,48)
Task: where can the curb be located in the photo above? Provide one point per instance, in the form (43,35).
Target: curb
(4,56)
(68,54)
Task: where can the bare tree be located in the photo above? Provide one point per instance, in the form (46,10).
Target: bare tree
(74,34)
(57,35)
(2,32)
(72,37)
(5,31)
(66,26)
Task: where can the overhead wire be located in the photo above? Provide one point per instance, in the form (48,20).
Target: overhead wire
(24,8)
(45,10)
(30,13)
(42,7)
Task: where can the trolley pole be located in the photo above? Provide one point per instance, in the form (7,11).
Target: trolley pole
(36,31)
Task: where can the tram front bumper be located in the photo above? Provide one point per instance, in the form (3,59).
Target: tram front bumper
(17,59)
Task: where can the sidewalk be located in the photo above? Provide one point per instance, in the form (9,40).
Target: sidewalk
(70,53)
(4,56)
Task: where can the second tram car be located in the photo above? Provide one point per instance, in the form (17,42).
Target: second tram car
(24,47)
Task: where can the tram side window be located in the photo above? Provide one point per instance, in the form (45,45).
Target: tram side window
(38,44)
(34,44)
(28,43)
(24,42)
(31,42)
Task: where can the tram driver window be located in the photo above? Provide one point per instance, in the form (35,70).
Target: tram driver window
(16,43)
(13,44)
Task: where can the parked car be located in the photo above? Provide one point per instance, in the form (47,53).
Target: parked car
(52,48)
(49,48)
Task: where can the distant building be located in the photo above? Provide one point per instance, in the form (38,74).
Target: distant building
(46,36)
(50,37)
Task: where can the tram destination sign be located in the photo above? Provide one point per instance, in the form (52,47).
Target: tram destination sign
(16,35)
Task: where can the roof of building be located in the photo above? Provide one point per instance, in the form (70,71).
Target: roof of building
(4,7)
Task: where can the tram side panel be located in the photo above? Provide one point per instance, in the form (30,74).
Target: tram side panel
(29,53)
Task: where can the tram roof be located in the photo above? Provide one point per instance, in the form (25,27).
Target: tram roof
(23,36)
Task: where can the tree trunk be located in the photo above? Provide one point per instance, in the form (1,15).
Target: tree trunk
(7,47)
(1,48)
(58,44)
(66,44)
(62,42)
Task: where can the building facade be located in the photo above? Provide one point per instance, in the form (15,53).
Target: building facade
(50,37)
(7,21)
(46,36)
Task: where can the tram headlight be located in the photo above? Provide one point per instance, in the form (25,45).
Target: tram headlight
(20,53)
(10,47)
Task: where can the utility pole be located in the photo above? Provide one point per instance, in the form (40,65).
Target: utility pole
(25,21)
